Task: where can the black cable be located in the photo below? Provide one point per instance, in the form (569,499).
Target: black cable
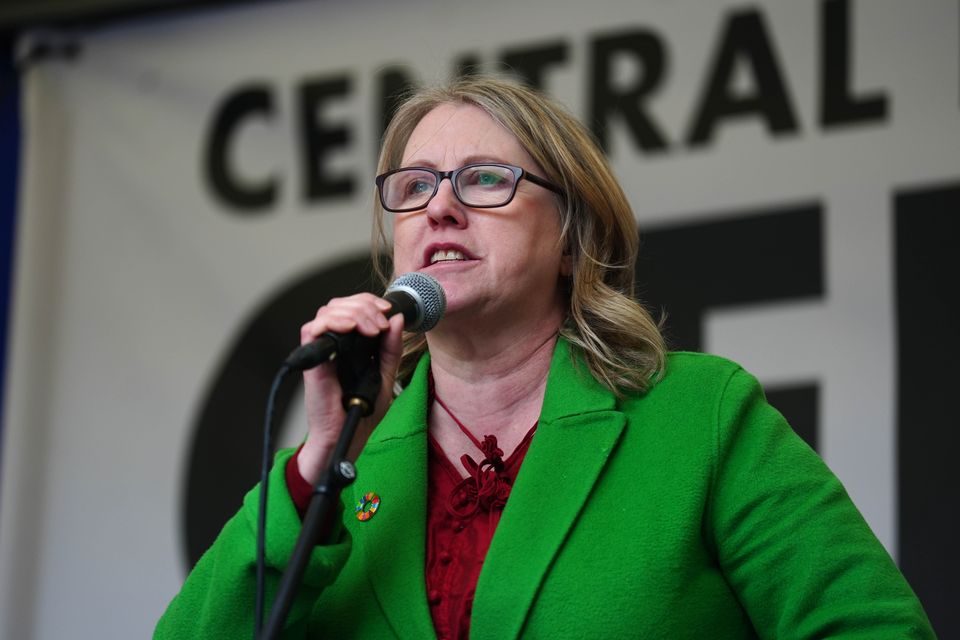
(358,370)
(262,514)
(317,522)
(359,376)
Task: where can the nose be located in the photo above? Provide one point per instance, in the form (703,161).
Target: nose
(445,208)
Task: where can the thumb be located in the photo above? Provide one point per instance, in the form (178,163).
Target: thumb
(391,351)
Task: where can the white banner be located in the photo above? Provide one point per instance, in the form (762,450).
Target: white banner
(185,176)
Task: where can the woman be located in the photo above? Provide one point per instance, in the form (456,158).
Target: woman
(632,493)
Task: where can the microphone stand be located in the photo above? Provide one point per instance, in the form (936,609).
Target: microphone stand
(358,369)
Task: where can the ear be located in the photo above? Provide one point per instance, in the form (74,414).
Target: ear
(566,264)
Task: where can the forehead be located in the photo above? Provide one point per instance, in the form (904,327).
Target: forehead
(455,134)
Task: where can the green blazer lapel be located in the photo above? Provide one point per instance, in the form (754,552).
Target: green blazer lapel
(393,540)
(579,427)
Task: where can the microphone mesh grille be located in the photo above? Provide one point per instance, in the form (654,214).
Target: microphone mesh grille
(433,301)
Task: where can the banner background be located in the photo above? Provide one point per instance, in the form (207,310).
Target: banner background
(136,282)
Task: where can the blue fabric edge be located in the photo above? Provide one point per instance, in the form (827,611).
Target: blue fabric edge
(10,137)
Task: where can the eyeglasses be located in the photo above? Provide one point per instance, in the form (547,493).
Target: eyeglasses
(481,186)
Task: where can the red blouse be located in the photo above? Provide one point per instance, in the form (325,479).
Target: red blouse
(462,515)
(461,519)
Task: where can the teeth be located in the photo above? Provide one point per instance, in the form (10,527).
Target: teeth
(443,256)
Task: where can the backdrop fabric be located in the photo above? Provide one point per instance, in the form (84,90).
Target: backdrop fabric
(191,185)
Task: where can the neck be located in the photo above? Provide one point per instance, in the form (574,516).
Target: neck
(494,381)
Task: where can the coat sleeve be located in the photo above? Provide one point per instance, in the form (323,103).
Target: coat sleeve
(795,550)
(217,599)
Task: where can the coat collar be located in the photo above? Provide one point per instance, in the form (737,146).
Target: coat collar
(578,416)
(579,427)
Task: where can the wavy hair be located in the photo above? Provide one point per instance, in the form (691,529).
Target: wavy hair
(619,340)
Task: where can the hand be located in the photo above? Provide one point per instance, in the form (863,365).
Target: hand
(364,313)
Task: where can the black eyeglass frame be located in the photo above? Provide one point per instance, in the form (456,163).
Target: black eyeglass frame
(519,173)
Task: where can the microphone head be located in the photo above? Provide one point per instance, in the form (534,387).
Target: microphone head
(430,299)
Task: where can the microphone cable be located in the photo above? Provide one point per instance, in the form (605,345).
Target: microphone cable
(422,301)
(265,464)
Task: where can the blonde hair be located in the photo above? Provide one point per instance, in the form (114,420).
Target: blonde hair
(618,339)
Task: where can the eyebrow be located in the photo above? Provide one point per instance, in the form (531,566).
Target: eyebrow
(471,159)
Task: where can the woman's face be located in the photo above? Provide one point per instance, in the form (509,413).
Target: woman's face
(501,263)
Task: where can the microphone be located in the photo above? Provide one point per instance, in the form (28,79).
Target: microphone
(417,296)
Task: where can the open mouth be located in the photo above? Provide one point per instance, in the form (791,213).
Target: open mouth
(446,255)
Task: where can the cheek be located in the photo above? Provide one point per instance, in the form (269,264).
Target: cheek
(534,256)
(543,245)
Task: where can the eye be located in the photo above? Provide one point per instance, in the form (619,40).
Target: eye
(418,187)
(411,184)
(486,177)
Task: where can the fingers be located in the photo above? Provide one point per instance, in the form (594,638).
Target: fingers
(363,312)
(366,314)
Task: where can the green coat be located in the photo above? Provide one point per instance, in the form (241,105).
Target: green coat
(690,512)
